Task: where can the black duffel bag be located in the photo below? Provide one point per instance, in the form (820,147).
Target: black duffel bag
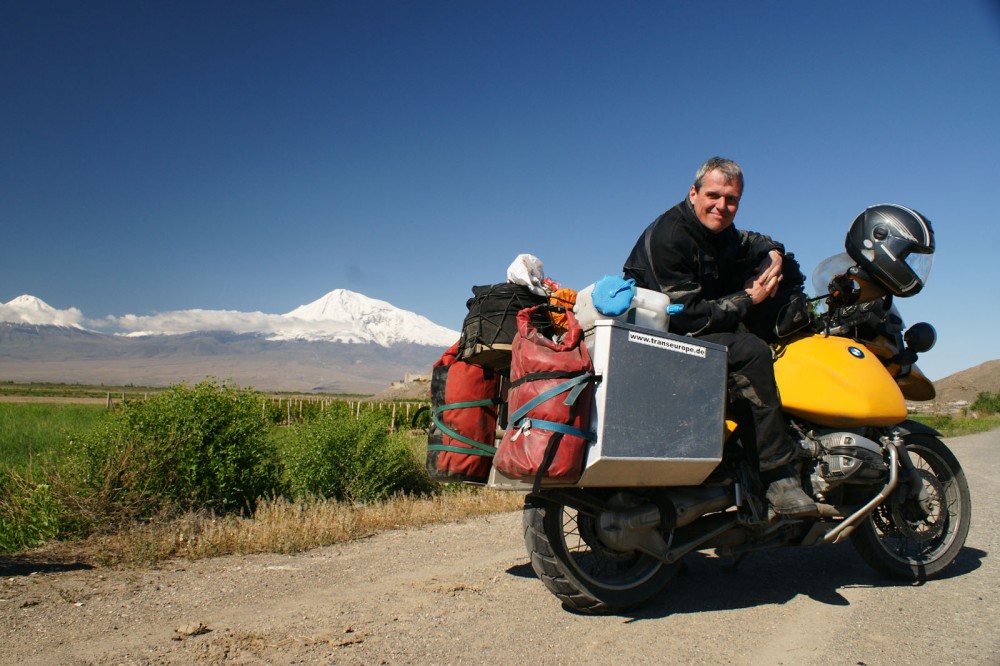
(490,326)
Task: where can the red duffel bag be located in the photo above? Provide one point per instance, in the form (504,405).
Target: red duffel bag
(464,399)
(552,383)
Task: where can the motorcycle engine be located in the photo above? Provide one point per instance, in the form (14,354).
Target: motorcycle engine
(845,458)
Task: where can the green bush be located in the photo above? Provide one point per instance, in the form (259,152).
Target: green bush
(30,514)
(986,403)
(346,458)
(205,446)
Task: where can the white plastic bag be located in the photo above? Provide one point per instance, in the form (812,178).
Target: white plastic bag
(529,271)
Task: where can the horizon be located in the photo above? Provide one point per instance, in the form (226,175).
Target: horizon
(226,327)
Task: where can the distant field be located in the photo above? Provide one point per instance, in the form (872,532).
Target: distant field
(15,392)
(92,393)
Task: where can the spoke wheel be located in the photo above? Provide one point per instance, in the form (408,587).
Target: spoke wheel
(917,539)
(569,557)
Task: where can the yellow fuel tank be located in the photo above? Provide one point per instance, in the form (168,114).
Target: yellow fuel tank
(837,382)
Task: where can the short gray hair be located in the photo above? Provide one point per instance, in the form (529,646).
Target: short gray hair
(730,170)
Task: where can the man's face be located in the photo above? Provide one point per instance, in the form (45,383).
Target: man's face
(716,202)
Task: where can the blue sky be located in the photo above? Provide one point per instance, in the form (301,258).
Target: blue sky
(160,156)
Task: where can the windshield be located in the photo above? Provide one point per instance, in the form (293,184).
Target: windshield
(828,269)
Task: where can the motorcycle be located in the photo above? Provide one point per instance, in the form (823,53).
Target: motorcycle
(885,482)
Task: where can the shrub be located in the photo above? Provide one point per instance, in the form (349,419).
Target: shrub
(346,458)
(205,446)
(986,403)
(29,513)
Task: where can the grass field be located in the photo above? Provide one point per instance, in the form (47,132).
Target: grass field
(32,434)
(954,426)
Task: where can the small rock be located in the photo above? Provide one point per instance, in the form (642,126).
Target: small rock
(192,629)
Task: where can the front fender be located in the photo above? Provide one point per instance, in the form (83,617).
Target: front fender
(911,427)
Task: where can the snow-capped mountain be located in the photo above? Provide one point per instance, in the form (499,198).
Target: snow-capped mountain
(31,310)
(339,316)
(348,316)
(302,350)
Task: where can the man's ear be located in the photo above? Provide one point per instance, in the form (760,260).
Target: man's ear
(692,193)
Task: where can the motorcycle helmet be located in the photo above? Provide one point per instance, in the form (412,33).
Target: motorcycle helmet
(894,245)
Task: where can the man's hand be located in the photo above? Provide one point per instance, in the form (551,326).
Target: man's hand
(764,283)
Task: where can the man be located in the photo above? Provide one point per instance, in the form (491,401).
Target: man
(727,280)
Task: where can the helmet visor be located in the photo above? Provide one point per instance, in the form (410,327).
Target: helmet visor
(920,264)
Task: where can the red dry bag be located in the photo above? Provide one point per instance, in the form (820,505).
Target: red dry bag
(464,399)
(552,383)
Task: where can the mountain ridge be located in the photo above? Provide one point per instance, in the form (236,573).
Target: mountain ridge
(31,353)
(343,342)
(340,315)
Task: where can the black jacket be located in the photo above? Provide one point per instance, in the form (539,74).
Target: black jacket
(703,271)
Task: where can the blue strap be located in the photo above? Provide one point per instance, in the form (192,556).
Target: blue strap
(574,387)
(528,424)
(478,448)
(567,385)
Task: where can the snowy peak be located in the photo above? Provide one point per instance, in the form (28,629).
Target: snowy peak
(339,305)
(34,311)
(340,316)
(342,313)
(31,305)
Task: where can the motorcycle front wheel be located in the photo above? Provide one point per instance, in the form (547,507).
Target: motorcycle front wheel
(588,577)
(917,540)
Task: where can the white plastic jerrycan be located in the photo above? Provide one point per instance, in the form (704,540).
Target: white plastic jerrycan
(649,310)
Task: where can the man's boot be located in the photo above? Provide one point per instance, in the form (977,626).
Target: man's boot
(785,494)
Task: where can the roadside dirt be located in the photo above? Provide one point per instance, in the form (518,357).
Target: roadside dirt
(465,593)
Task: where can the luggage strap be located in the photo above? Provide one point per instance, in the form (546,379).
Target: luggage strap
(547,374)
(574,386)
(478,448)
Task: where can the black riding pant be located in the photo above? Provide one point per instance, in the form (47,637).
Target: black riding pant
(752,390)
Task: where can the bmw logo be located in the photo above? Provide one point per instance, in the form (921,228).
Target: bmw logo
(855,352)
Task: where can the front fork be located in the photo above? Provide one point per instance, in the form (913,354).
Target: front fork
(911,485)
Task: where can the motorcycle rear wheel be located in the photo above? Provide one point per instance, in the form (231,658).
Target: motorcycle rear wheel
(579,570)
(908,542)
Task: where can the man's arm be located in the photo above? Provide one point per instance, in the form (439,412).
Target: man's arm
(758,245)
(768,275)
(674,265)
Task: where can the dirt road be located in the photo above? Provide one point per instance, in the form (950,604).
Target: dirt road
(465,593)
